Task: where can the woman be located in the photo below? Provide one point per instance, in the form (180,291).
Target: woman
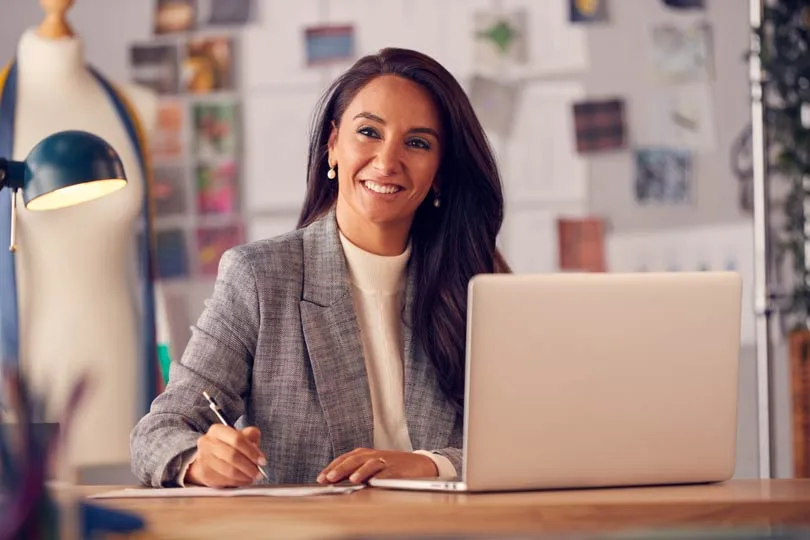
(341,344)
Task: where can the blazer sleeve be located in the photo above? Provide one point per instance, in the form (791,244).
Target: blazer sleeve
(453,451)
(218,359)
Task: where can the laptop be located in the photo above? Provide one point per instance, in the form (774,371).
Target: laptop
(598,380)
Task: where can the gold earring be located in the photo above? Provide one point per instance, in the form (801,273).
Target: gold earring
(331,173)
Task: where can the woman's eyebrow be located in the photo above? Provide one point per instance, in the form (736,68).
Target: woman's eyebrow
(374,118)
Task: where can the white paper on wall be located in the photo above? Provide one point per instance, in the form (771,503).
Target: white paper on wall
(542,165)
(683,116)
(423,29)
(552,44)
(376,24)
(712,248)
(276,148)
(682,52)
(273,52)
(528,241)
(528,238)
(269,225)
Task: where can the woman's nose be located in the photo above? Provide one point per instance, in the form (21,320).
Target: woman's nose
(386,162)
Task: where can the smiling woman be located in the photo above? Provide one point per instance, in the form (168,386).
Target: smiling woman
(342,344)
(386,149)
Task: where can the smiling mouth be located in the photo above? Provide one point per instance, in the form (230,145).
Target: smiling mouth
(383,189)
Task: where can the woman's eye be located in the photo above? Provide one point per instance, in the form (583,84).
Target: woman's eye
(419,143)
(368,132)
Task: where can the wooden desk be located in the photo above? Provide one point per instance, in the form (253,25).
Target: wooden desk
(375,511)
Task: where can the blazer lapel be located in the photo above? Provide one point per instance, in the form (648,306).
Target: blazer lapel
(430,416)
(333,341)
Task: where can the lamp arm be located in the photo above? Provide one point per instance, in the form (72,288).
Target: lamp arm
(12,174)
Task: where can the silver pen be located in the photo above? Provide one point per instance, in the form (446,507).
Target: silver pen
(212,404)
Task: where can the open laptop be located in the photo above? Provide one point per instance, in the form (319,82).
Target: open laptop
(598,380)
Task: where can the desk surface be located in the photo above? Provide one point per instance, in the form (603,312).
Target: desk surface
(369,512)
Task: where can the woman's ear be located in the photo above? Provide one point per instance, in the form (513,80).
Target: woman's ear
(333,134)
(437,185)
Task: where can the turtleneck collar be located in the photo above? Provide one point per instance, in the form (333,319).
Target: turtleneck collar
(375,273)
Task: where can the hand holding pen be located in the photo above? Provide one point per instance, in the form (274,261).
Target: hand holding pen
(227,457)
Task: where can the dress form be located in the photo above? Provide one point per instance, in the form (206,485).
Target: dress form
(76,267)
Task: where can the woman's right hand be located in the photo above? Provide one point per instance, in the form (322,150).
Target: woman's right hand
(226,458)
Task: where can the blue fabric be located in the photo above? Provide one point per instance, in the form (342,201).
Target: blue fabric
(9,319)
(9,316)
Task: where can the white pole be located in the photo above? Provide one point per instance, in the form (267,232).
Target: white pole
(761,252)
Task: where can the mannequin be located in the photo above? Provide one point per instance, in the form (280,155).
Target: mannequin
(77,280)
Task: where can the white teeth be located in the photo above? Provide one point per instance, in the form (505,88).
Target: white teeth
(380,188)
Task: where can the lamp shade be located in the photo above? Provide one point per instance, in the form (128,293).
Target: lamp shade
(68,168)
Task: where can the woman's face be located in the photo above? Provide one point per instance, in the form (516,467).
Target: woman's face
(386,151)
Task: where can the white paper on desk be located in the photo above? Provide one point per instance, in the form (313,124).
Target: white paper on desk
(157,493)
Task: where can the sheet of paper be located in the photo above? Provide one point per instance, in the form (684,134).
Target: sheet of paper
(516,39)
(276,147)
(529,240)
(303,491)
(421,28)
(494,104)
(682,53)
(542,163)
(705,248)
(272,50)
(373,22)
(683,115)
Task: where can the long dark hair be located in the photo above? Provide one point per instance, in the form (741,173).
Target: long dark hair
(450,244)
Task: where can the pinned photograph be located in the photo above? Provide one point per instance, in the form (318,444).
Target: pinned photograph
(663,176)
(494,103)
(500,38)
(171,254)
(587,11)
(682,53)
(212,242)
(208,66)
(166,141)
(217,188)
(172,16)
(581,244)
(684,117)
(155,66)
(215,130)
(169,190)
(329,44)
(600,125)
(226,12)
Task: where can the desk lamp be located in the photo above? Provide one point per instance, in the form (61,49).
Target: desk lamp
(64,169)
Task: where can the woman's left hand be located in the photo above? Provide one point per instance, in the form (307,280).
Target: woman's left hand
(362,463)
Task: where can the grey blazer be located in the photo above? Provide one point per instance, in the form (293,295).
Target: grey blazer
(279,347)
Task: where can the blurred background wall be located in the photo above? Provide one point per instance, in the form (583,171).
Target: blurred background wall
(614,124)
